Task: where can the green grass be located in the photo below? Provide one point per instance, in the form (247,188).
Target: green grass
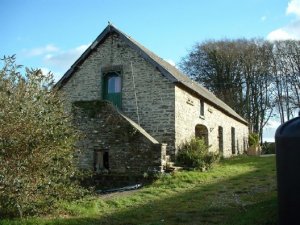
(241,190)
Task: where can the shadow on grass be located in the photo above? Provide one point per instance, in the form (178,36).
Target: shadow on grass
(246,199)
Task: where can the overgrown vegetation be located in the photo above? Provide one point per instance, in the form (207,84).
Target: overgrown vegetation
(237,191)
(268,148)
(37,151)
(195,154)
(92,108)
(253,139)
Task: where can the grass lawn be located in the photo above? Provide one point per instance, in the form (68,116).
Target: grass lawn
(240,190)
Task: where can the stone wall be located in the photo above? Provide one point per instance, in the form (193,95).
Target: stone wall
(131,150)
(168,113)
(155,94)
(187,116)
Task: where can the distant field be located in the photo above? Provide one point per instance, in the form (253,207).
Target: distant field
(239,191)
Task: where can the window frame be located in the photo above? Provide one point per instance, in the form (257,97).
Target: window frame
(100,164)
(116,79)
(233,141)
(201,107)
(107,72)
(221,139)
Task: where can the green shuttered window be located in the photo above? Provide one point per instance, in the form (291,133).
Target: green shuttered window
(112,88)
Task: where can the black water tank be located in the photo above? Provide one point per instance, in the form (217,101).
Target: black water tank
(287,140)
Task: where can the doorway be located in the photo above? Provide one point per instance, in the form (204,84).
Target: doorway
(201,131)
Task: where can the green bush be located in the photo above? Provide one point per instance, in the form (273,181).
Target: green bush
(268,148)
(253,139)
(37,139)
(195,154)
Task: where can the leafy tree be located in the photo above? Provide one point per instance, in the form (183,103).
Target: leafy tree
(37,142)
(253,139)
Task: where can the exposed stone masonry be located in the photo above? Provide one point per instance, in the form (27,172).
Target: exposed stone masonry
(185,124)
(159,109)
(130,149)
(155,93)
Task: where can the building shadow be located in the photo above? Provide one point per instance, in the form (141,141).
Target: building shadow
(249,198)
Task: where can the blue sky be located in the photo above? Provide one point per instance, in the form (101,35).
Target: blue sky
(51,34)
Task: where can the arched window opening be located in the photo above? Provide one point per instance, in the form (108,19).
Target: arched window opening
(201,131)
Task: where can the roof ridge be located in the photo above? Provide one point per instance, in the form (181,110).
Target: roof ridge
(167,70)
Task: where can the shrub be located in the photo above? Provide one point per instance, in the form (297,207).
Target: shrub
(253,139)
(37,142)
(195,154)
(268,148)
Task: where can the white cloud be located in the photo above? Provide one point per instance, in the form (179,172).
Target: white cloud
(62,60)
(273,124)
(171,62)
(82,48)
(263,18)
(56,75)
(270,130)
(281,34)
(45,70)
(290,30)
(51,58)
(40,50)
(293,7)
(269,139)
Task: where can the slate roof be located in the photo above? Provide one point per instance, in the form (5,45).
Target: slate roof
(169,71)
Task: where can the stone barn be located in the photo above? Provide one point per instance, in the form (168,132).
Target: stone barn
(135,109)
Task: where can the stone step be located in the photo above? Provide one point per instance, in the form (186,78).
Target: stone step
(171,167)
(170,163)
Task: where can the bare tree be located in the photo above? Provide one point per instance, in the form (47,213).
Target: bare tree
(286,71)
(239,73)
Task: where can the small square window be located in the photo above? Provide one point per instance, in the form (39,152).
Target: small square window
(201,108)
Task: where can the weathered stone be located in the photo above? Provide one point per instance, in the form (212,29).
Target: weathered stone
(165,109)
(124,156)
(188,116)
